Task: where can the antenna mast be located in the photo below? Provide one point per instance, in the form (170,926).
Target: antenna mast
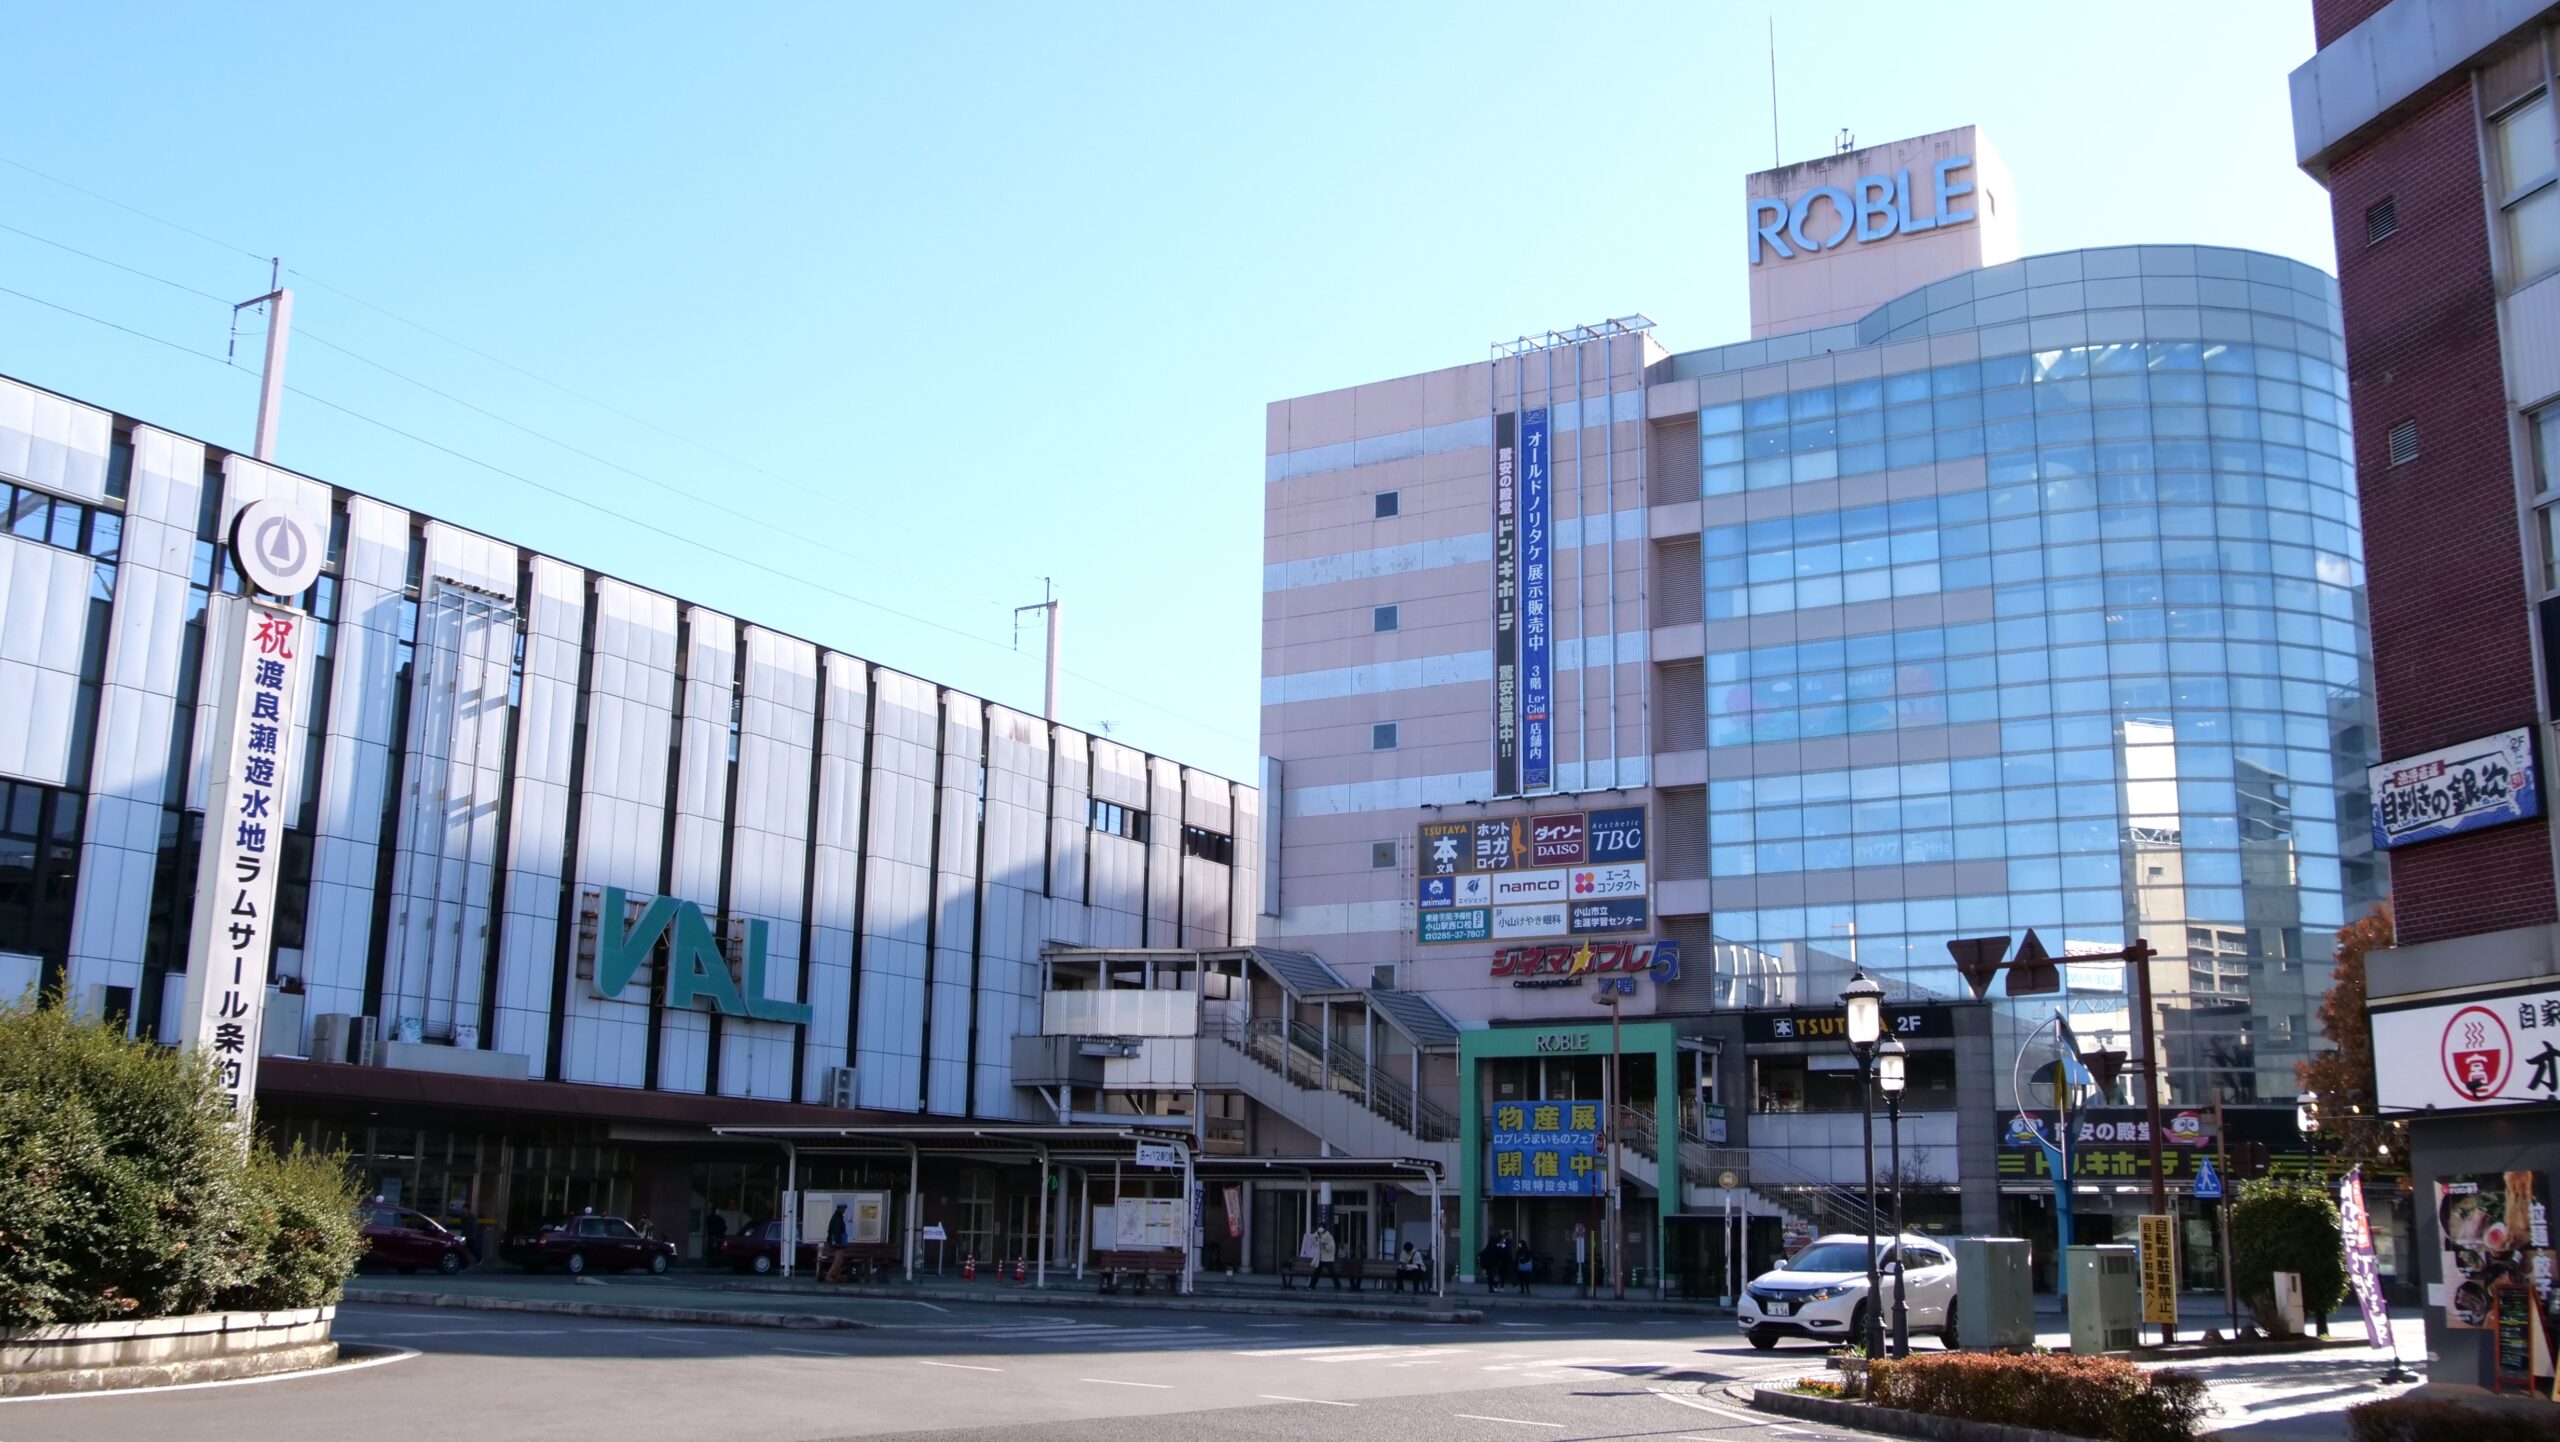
(279,333)
(1049,691)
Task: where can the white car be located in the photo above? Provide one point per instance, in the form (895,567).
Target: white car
(1821,1292)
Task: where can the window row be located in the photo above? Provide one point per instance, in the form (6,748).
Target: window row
(2321,455)
(2121,695)
(2164,363)
(1113,819)
(2269,743)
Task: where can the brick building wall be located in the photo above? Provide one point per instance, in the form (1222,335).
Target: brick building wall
(2333,18)
(2444,560)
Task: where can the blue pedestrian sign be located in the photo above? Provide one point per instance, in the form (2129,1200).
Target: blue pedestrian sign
(2208,1181)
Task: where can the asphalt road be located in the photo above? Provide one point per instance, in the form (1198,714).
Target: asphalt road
(953,1371)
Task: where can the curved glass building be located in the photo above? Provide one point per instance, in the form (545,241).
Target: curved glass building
(2050,617)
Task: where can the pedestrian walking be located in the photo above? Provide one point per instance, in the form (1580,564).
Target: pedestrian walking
(1495,1261)
(1524,1265)
(1326,1250)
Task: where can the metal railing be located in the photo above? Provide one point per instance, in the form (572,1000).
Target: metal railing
(1825,1205)
(1298,1053)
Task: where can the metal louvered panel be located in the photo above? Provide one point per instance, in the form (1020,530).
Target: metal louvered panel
(1680,835)
(1680,692)
(1679,582)
(1672,460)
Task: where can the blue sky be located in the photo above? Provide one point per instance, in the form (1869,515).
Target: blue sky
(882,313)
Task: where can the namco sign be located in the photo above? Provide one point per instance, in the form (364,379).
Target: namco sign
(1877,207)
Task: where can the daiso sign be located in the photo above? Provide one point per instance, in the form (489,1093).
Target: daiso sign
(1876,207)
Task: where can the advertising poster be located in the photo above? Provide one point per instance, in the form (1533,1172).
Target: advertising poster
(1527,878)
(1537,677)
(2460,788)
(2159,1254)
(1544,1149)
(2495,1227)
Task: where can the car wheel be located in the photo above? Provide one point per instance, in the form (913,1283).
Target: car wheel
(1762,1341)
(1947,1333)
(1858,1327)
(657,1264)
(763,1264)
(449,1263)
(577,1264)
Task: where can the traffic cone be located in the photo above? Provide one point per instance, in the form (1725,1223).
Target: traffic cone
(1021,1273)
(969,1267)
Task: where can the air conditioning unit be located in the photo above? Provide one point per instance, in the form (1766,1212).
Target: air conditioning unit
(840,1087)
(348,1040)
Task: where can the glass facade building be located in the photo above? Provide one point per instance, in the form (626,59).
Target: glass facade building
(2079,614)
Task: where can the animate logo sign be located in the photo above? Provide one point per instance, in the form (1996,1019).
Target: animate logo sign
(698,973)
(1877,207)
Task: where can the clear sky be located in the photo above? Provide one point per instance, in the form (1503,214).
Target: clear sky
(880,312)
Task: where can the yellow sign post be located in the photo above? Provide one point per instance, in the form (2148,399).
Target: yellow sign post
(2160,1269)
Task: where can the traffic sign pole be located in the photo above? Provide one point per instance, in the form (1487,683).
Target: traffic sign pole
(2222,1209)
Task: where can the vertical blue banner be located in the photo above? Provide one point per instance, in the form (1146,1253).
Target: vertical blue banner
(1506,608)
(1537,593)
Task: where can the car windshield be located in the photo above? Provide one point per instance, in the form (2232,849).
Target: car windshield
(1830,1257)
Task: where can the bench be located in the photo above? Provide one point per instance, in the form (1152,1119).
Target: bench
(1355,1270)
(1135,1270)
(858,1262)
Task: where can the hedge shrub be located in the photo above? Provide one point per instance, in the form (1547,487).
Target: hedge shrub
(2287,1227)
(124,1192)
(2100,1397)
(2408,1419)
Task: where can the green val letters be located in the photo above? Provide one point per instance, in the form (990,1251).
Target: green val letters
(696,971)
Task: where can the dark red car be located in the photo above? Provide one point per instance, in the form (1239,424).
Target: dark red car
(412,1241)
(576,1244)
(759,1250)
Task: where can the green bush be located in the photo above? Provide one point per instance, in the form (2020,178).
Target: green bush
(2102,1397)
(2287,1227)
(124,1192)
(2407,1419)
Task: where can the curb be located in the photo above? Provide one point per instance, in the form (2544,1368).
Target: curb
(1460,1316)
(1865,1418)
(606,1311)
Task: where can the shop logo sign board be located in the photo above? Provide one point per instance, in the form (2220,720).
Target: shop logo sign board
(2487,1051)
(1521,878)
(1877,207)
(1559,964)
(2487,782)
(697,973)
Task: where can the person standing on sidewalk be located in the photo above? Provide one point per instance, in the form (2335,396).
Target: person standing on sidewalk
(1326,1250)
(1495,1262)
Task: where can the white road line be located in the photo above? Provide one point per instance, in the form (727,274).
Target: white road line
(1116,1382)
(1514,1421)
(365,1335)
(957,1366)
(1315,1401)
(1754,1418)
(401,1354)
(809,1352)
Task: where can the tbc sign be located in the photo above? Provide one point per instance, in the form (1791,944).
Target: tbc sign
(1877,207)
(697,973)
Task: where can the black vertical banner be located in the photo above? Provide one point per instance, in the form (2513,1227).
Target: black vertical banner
(1506,605)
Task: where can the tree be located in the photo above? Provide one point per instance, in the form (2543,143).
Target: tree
(2343,1075)
(2279,1226)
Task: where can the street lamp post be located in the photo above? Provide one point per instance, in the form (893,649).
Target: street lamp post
(1890,1079)
(1865,1002)
(2306,1120)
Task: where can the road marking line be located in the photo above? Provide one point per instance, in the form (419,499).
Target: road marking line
(809,1352)
(1116,1382)
(1314,1401)
(359,1334)
(957,1366)
(1756,1419)
(398,1354)
(1514,1421)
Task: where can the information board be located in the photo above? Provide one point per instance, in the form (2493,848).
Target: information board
(1524,878)
(1544,1149)
(2159,1269)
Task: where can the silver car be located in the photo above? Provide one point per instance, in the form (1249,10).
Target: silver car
(1821,1292)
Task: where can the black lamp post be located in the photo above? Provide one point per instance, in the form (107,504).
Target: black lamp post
(1889,1079)
(1865,1002)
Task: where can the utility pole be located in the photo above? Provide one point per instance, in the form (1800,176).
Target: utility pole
(1049,690)
(279,334)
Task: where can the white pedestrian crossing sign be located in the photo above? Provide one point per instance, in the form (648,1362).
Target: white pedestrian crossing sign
(2208,1181)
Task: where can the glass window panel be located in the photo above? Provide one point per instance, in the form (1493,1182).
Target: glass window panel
(2521,142)
(2533,233)
(1765,411)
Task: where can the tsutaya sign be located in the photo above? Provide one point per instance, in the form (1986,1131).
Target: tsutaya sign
(697,972)
(1877,207)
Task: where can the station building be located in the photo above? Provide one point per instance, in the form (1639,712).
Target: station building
(1974,592)
(495,748)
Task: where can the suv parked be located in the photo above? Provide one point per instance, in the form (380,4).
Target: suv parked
(575,1244)
(1821,1292)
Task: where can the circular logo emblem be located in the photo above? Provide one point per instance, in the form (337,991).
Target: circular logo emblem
(1726,1180)
(277,550)
(2477,1053)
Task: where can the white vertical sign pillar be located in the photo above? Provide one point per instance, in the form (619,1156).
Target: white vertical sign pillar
(233,942)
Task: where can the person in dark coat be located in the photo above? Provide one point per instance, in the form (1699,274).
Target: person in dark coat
(1495,1261)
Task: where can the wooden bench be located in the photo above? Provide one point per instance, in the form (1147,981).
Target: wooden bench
(1355,1270)
(859,1262)
(1135,1271)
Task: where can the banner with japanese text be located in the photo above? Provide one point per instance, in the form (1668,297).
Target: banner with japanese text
(233,941)
(1537,608)
(2364,1271)
(1506,607)
(1544,1149)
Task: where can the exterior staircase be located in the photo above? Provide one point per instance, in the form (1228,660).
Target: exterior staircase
(1284,1065)
(1770,1183)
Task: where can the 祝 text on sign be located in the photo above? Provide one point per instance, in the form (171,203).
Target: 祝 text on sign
(234,935)
(2460,788)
